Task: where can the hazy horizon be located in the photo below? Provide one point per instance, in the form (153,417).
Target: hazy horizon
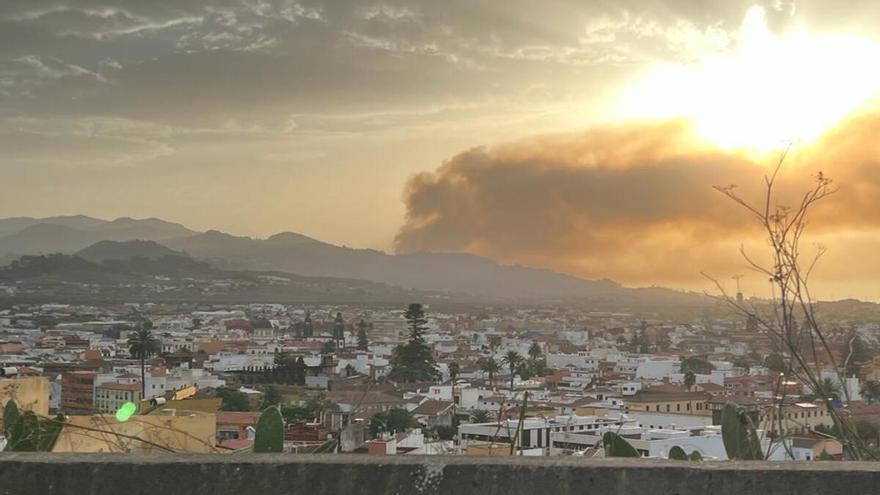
(582,137)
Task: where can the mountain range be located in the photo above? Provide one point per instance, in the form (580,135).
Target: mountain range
(99,240)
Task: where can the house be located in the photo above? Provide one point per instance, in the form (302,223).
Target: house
(535,432)
(710,388)
(811,448)
(672,402)
(77,392)
(357,404)
(237,425)
(306,432)
(793,418)
(109,397)
(193,433)
(433,413)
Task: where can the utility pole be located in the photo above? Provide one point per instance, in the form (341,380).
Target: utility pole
(519,426)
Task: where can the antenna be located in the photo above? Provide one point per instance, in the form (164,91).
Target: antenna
(739,294)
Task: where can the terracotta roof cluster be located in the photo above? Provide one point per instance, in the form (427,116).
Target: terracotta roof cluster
(244,418)
(432,408)
(643,396)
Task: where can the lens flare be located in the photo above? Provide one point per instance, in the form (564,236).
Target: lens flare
(126,411)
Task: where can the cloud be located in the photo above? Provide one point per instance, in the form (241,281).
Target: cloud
(634,202)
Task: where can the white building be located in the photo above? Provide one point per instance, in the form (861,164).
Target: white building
(581,360)
(536,433)
(657,368)
(185,377)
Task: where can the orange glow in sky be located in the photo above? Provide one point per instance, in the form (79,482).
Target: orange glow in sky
(772,90)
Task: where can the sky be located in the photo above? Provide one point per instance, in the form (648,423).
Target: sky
(583,136)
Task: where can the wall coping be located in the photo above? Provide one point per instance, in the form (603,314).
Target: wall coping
(243,474)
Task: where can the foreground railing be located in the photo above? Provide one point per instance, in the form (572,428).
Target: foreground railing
(120,474)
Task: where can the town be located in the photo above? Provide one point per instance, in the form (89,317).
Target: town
(417,380)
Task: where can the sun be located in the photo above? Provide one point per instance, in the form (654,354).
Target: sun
(773,90)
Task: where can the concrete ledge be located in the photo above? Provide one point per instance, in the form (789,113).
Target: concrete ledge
(269,474)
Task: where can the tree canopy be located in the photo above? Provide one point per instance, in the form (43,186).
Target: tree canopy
(233,400)
(512,360)
(698,365)
(775,362)
(392,420)
(271,397)
(363,343)
(414,361)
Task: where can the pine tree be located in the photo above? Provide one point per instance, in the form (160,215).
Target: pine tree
(299,371)
(454,370)
(363,343)
(308,329)
(413,361)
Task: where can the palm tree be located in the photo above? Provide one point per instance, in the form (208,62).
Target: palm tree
(535,351)
(871,390)
(490,366)
(512,360)
(142,345)
(479,416)
(826,390)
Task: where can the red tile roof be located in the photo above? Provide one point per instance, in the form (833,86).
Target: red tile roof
(245,418)
(131,387)
(432,407)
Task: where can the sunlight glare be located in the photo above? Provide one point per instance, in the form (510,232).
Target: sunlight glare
(775,89)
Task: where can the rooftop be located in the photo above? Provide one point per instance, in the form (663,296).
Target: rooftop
(432,407)
(643,396)
(131,387)
(237,418)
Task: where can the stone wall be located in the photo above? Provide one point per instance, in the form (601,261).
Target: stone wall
(270,474)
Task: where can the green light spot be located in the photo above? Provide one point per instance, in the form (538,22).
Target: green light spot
(126,411)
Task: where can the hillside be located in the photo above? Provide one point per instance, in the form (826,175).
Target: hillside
(27,236)
(459,273)
(177,278)
(10,226)
(122,250)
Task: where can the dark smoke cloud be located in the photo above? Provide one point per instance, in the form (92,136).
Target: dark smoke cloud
(634,203)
